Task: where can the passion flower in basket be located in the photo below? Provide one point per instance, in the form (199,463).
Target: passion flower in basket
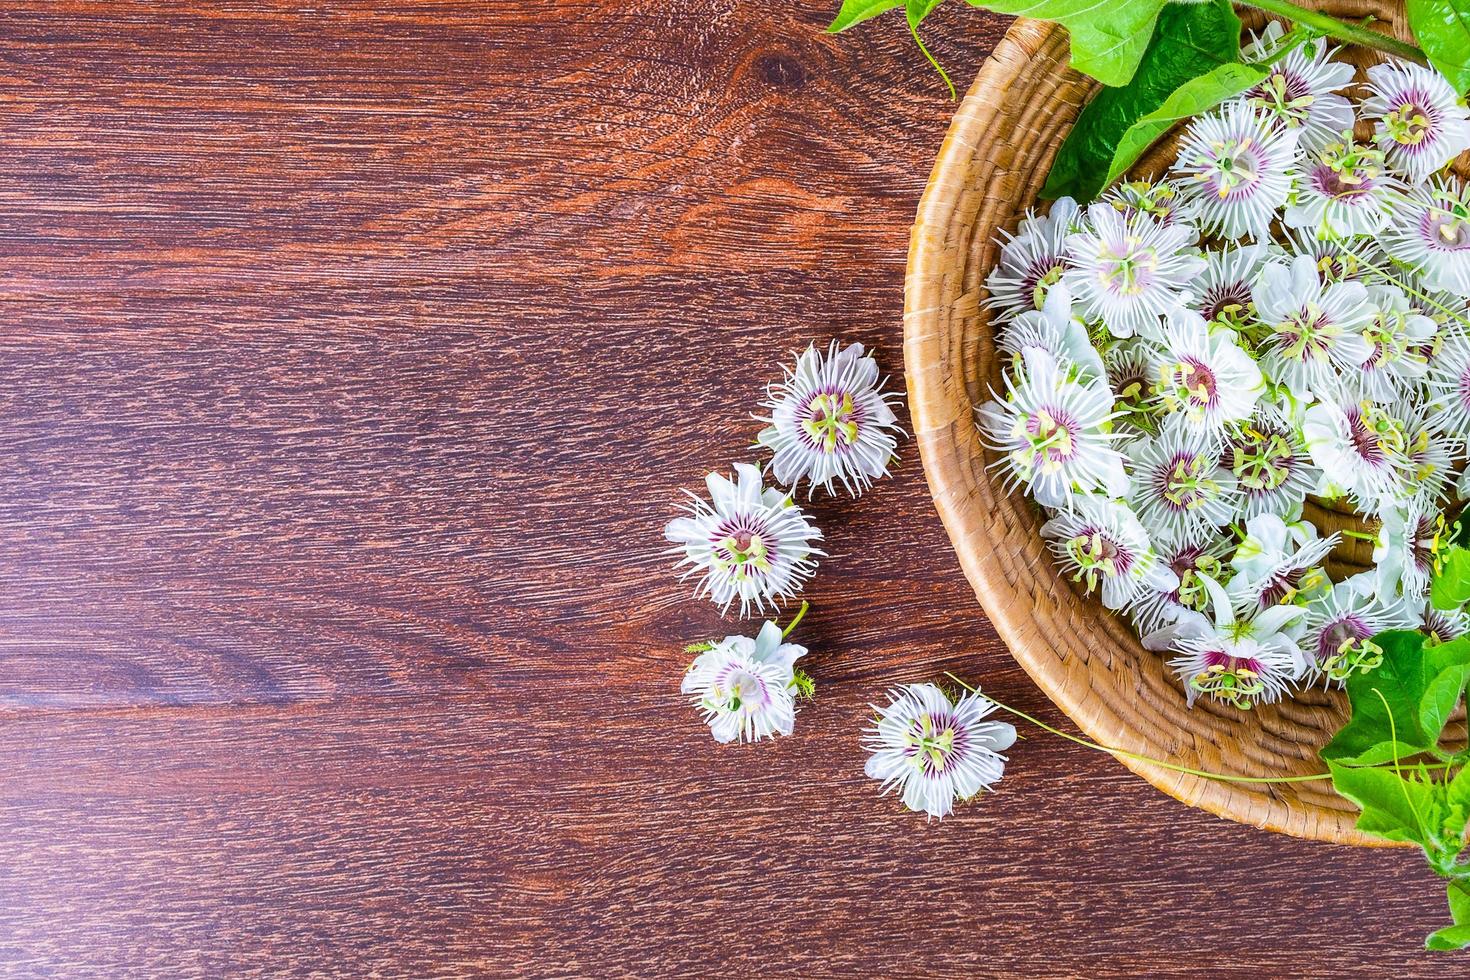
(1194,365)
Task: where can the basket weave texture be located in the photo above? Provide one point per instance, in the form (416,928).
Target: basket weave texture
(1088,661)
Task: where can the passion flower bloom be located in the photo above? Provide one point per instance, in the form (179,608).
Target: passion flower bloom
(1236,165)
(1033,260)
(745,687)
(1271,465)
(746,542)
(1315,331)
(1204,375)
(1432,236)
(1343,190)
(933,751)
(1103,545)
(1225,288)
(1301,89)
(1240,657)
(1419,122)
(1181,493)
(831,421)
(1362,449)
(1279,563)
(1055,331)
(1129,271)
(1054,433)
(1341,625)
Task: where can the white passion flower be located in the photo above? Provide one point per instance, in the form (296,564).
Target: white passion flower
(1271,465)
(1225,287)
(1400,336)
(1341,624)
(1129,271)
(934,751)
(1278,563)
(1315,331)
(1032,260)
(1054,432)
(1236,164)
(830,421)
(747,542)
(1362,449)
(1240,657)
(1301,88)
(1054,330)
(1181,493)
(1420,123)
(745,687)
(1204,375)
(1105,547)
(1408,543)
(1432,236)
(1343,190)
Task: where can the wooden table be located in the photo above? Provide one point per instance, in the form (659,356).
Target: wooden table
(354,355)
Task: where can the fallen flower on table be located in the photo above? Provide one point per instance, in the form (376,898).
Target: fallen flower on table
(831,421)
(747,542)
(936,751)
(747,687)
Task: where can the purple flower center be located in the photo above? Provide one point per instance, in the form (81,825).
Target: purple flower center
(1337,634)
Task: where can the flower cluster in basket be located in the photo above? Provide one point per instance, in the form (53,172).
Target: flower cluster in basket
(1285,315)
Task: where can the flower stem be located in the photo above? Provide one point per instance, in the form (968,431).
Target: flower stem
(1342,30)
(796,619)
(1124,753)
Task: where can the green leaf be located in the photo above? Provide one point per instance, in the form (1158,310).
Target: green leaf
(1108,38)
(1450,588)
(1442,28)
(1190,99)
(856,11)
(1394,808)
(1188,39)
(1399,710)
(1456,936)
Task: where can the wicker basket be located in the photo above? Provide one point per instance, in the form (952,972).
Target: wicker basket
(993,163)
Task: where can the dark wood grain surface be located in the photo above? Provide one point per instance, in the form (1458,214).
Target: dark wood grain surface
(352,356)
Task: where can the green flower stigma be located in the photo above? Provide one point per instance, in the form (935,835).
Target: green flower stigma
(933,746)
(1407,125)
(1236,686)
(1261,461)
(1353,656)
(830,422)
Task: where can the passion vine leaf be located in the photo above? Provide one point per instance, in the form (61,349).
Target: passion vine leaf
(1399,710)
(1108,39)
(1393,807)
(1442,28)
(856,11)
(1188,39)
